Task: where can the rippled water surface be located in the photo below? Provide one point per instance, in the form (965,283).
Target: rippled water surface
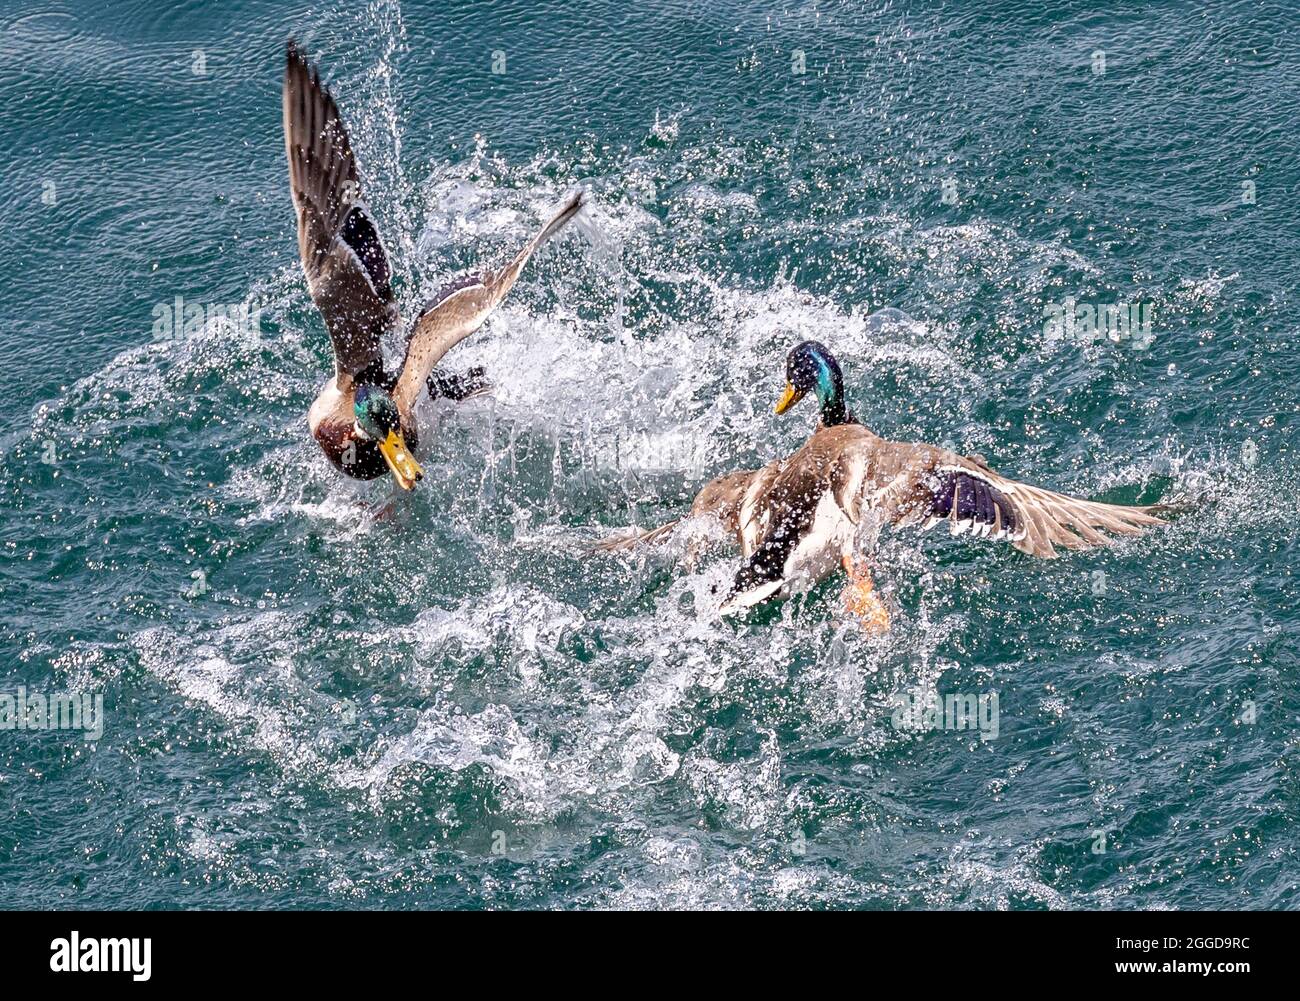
(453,706)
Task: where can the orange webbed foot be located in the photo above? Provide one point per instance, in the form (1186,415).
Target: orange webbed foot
(860,597)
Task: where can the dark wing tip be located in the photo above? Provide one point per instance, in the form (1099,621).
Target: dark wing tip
(295,59)
(296,63)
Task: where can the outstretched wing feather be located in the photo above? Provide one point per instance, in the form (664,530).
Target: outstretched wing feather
(342,253)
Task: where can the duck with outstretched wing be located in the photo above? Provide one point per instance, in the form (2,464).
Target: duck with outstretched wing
(797,519)
(364,417)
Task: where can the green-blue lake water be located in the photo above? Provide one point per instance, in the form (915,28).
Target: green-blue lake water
(453,706)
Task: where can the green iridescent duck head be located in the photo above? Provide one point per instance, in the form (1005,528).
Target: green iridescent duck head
(811,368)
(377,419)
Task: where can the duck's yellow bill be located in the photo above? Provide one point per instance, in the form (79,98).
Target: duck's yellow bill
(406,471)
(789,398)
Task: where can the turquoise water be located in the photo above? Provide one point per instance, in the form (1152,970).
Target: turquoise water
(452,707)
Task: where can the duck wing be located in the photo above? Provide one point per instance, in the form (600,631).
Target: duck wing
(460,309)
(916,484)
(342,254)
(721,498)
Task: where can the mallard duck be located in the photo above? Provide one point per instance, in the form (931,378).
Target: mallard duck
(364,418)
(797,519)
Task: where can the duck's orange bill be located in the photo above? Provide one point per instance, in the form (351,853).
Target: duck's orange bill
(789,398)
(406,471)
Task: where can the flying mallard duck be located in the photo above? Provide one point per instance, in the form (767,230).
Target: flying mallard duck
(797,518)
(364,418)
